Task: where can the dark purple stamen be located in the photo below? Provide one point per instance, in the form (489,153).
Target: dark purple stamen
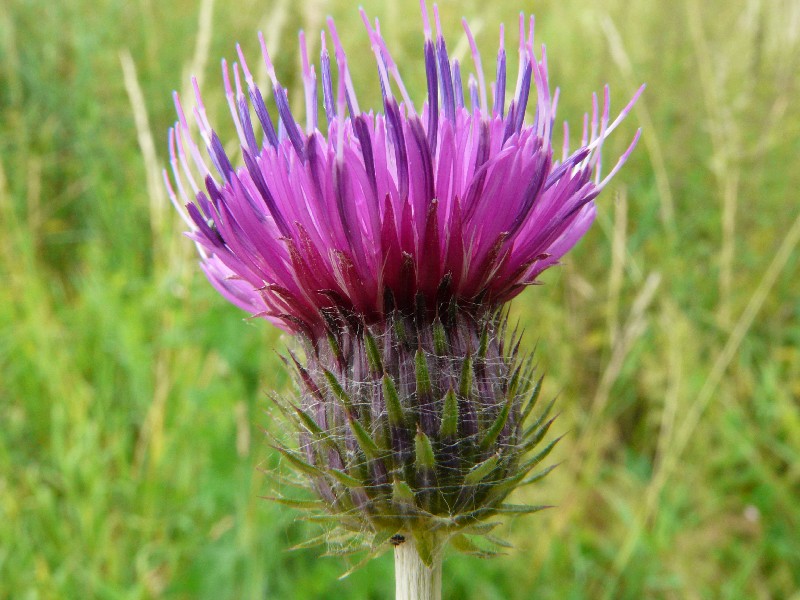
(500,85)
(261,185)
(395,130)
(205,205)
(349,100)
(479,178)
(384,90)
(591,195)
(362,133)
(239,190)
(327,84)
(209,233)
(573,160)
(522,100)
(423,153)
(313,107)
(509,128)
(314,159)
(433,93)
(216,196)
(458,88)
(288,121)
(247,125)
(219,158)
(534,189)
(263,116)
(448,98)
(347,209)
(475,103)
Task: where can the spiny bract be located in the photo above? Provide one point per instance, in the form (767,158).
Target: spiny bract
(416,428)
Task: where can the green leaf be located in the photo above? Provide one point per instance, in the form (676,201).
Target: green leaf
(537,436)
(537,389)
(484,343)
(394,408)
(505,487)
(337,352)
(514,383)
(317,540)
(539,457)
(463,544)
(294,503)
(309,422)
(285,407)
(426,547)
(480,471)
(498,541)
(337,520)
(306,378)
(399,329)
(481,528)
(539,420)
(439,338)
(425,458)
(503,509)
(497,427)
(338,390)
(364,439)
(449,426)
(423,376)
(345,549)
(299,487)
(345,479)
(315,430)
(357,566)
(319,435)
(402,492)
(298,463)
(532,462)
(540,475)
(521,509)
(373,354)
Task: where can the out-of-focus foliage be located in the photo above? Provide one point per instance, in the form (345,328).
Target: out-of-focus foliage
(133,398)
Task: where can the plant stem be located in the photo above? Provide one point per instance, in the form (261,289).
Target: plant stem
(414,580)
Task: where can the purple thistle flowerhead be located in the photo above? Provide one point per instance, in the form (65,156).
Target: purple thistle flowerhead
(457,199)
(390,243)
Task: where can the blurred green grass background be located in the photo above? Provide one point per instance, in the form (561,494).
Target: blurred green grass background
(132,398)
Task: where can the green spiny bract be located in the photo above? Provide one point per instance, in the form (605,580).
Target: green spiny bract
(415,428)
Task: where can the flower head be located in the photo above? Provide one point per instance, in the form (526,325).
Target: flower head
(454,199)
(390,243)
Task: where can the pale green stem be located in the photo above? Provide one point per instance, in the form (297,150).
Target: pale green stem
(414,580)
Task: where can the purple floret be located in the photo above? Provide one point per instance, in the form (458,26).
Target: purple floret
(446,203)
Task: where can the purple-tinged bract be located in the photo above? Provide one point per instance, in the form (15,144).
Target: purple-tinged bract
(457,200)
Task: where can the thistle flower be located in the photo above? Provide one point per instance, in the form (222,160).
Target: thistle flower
(389,244)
